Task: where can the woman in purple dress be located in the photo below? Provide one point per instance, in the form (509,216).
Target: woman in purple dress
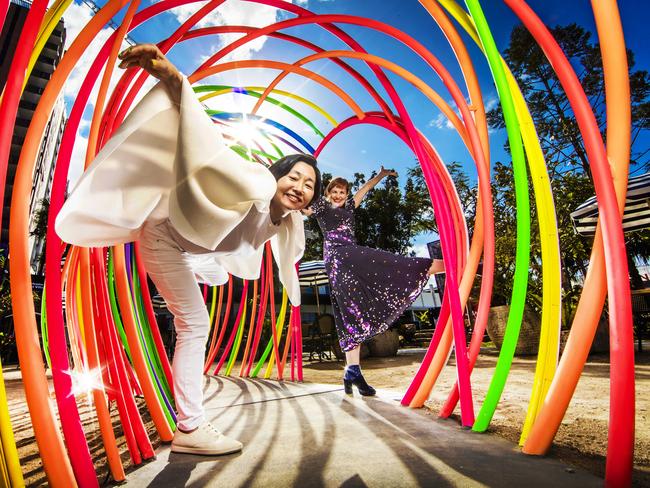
(370,288)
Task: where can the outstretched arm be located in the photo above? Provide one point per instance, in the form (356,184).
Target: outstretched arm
(370,184)
(154,62)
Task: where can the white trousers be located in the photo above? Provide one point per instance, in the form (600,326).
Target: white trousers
(167,265)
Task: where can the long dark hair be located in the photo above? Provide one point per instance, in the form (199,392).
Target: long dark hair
(283,165)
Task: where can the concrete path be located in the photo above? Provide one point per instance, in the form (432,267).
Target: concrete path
(306,435)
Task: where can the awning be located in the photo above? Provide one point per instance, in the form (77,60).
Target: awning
(312,273)
(158,303)
(636,214)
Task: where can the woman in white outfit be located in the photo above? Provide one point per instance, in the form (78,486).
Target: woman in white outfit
(167,179)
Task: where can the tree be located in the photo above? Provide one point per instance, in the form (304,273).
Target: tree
(574,189)
(383,221)
(566,159)
(39,230)
(418,195)
(7,340)
(549,106)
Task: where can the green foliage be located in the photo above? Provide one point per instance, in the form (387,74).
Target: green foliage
(7,339)
(6,336)
(570,191)
(406,213)
(384,221)
(5,291)
(554,120)
(418,196)
(39,229)
(566,159)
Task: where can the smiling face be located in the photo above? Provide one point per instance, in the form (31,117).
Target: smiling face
(296,189)
(337,195)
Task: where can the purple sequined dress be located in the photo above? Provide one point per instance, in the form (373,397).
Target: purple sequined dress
(370,288)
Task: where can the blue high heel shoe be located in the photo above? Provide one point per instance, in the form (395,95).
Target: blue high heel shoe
(353,376)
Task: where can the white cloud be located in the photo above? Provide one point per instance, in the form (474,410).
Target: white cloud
(491,102)
(84,124)
(75,18)
(441,122)
(234,12)
(77,159)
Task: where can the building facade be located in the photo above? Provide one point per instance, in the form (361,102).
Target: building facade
(44,167)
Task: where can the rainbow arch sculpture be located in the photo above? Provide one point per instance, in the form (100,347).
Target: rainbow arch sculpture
(108,316)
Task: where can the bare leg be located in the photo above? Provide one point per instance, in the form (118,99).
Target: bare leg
(352,357)
(437,266)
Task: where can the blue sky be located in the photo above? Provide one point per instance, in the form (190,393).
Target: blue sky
(363,148)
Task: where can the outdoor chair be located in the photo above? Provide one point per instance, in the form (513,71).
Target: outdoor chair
(310,339)
(324,323)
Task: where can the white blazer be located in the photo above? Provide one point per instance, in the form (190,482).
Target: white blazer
(167,161)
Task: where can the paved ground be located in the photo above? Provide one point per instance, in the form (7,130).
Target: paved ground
(308,435)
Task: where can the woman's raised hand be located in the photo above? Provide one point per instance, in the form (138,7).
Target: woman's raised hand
(153,61)
(387,172)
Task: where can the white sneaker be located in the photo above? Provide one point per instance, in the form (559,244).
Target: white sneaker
(206,440)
